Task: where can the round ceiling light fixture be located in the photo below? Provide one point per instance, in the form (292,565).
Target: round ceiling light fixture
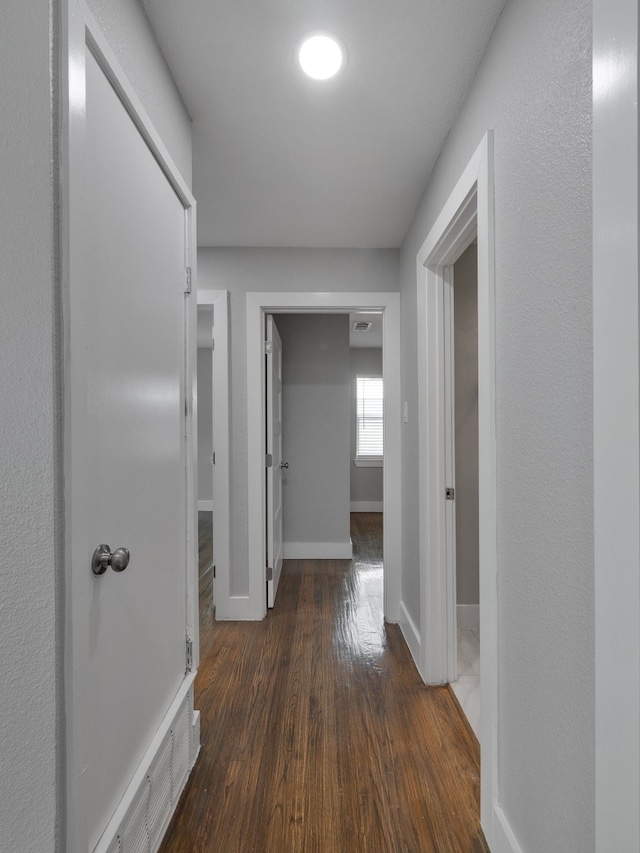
(321,55)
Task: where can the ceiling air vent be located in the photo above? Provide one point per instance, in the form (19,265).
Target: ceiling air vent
(361,326)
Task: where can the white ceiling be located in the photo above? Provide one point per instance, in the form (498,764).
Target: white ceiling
(282,160)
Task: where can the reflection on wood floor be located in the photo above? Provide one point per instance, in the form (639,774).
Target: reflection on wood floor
(318,734)
(205,578)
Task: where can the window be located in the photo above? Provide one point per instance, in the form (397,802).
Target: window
(369,420)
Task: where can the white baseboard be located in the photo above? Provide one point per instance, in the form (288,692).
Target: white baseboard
(196,732)
(236,608)
(468,616)
(318,550)
(503,841)
(410,634)
(152,795)
(367,506)
(205,506)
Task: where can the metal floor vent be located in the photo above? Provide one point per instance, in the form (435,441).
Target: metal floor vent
(147,817)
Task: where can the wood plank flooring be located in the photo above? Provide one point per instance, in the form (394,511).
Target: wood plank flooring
(205,558)
(318,734)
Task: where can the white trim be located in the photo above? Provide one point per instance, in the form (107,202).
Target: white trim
(467,212)
(447,439)
(238,609)
(258,304)
(616,355)
(504,840)
(79,33)
(410,633)
(221,472)
(179,723)
(368,462)
(317,550)
(468,616)
(367,506)
(205,506)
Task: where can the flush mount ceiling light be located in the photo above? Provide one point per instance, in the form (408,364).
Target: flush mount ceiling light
(321,55)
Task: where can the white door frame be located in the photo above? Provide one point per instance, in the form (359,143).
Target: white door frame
(616,355)
(80,32)
(259,304)
(273,412)
(468,212)
(219,299)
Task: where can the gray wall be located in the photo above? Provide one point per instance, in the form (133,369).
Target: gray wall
(30,433)
(128,31)
(366,483)
(533,88)
(242,270)
(465,314)
(32,781)
(205,425)
(315,427)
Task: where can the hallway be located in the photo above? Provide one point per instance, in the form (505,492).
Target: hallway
(318,734)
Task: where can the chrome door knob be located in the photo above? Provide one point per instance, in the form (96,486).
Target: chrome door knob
(103,558)
(120,559)
(284,464)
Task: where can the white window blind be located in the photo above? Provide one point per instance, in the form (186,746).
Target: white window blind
(370,421)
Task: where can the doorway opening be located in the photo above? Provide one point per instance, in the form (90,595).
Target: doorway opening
(324,434)
(205,394)
(367,415)
(462,397)
(258,306)
(212,404)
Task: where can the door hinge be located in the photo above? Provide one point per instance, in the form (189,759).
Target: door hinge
(268,347)
(449,494)
(213,458)
(214,570)
(189,654)
(268,461)
(187,283)
(269,573)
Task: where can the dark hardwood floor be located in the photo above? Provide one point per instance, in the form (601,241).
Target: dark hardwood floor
(318,734)
(205,579)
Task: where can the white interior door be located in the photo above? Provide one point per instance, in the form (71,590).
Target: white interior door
(212,385)
(448,492)
(274,455)
(129,454)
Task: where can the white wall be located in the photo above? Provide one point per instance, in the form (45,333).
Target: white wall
(465,315)
(32,782)
(315,427)
(205,424)
(366,483)
(31,533)
(240,271)
(533,88)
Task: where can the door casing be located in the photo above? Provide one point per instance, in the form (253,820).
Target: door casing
(467,213)
(616,438)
